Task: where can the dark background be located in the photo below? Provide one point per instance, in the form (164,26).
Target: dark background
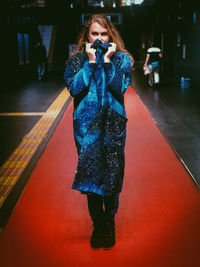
(173,25)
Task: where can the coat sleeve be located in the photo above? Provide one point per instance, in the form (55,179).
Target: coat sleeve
(118,74)
(78,75)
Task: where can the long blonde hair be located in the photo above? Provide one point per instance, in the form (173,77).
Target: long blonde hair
(102,20)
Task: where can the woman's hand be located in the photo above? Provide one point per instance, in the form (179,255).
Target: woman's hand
(110,52)
(91,53)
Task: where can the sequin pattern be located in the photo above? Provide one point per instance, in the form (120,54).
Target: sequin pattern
(99,120)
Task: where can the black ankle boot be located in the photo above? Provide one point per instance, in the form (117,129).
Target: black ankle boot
(97,235)
(109,235)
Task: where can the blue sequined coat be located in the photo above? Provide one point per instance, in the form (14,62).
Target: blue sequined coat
(99,120)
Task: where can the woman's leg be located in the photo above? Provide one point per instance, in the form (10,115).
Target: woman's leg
(111,204)
(42,69)
(156,76)
(39,71)
(95,207)
(151,78)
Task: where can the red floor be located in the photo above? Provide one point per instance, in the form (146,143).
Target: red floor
(158,223)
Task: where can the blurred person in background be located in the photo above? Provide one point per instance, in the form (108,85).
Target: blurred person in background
(40,58)
(153,57)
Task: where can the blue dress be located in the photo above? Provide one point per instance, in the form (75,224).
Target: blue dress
(99,120)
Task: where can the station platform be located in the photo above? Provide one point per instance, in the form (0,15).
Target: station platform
(46,223)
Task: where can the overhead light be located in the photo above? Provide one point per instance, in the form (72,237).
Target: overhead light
(131,2)
(138,2)
(126,2)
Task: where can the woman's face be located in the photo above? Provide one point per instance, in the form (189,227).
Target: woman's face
(96,31)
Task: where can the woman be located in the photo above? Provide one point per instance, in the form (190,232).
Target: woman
(97,76)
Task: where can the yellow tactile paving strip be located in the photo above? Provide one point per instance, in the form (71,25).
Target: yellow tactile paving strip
(23,114)
(11,170)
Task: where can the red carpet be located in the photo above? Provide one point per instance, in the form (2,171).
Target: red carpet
(158,224)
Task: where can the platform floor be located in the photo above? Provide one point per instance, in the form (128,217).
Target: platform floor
(23,104)
(159,214)
(177,112)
